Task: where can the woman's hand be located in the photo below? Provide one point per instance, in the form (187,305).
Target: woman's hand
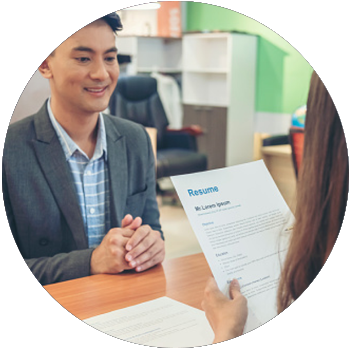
(226,316)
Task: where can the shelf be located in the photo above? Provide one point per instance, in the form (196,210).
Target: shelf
(150,54)
(206,70)
(205,89)
(195,102)
(159,70)
(207,36)
(207,53)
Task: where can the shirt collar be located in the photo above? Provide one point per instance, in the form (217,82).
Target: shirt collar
(70,147)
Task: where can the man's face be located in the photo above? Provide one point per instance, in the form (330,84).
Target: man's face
(84,70)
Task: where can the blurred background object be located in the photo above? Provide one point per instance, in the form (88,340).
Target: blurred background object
(319,29)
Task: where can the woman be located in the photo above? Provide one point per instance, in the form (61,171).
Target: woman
(321,200)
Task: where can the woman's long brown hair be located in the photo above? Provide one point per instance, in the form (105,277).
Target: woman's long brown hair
(322,193)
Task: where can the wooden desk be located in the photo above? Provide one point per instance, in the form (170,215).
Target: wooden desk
(182,279)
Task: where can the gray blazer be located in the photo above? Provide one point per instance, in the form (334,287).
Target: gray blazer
(41,202)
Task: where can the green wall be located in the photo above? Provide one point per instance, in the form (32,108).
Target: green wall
(283,75)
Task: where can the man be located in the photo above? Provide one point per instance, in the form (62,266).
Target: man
(78,185)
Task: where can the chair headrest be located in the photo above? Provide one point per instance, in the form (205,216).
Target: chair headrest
(136,88)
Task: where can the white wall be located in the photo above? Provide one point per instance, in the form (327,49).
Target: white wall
(29,28)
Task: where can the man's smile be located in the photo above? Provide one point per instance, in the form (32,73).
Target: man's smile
(95,89)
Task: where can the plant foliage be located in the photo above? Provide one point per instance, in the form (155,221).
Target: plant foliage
(57,328)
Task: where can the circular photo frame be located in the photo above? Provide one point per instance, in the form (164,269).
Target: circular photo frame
(242,125)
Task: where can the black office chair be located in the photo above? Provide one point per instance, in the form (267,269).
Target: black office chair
(276,140)
(136,98)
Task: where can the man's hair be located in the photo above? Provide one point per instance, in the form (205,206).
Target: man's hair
(113,20)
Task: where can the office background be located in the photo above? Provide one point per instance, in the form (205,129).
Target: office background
(281,82)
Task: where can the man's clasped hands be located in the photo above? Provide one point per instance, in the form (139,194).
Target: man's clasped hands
(132,246)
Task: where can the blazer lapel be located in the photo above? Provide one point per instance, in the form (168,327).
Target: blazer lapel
(57,173)
(117,166)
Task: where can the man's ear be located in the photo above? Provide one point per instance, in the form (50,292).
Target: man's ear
(45,69)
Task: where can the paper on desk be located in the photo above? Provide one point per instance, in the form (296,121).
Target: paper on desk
(243,225)
(162,322)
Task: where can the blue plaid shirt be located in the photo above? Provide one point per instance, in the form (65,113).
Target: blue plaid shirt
(91,180)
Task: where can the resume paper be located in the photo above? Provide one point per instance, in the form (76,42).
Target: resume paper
(162,322)
(243,225)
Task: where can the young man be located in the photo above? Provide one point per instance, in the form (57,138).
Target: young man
(78,185)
